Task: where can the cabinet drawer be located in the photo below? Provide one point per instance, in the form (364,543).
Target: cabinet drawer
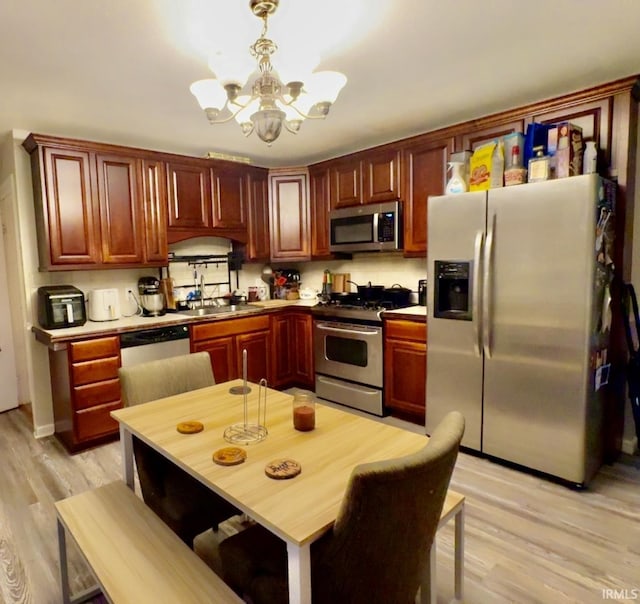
(95,371)
(217,329)
(99,393)
(406,330)
(94,349)
(96,421)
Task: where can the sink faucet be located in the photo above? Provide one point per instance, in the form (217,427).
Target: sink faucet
(201,290)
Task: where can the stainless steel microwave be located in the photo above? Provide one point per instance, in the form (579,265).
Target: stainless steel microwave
(375,227)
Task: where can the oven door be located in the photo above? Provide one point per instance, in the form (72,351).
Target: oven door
(349,351)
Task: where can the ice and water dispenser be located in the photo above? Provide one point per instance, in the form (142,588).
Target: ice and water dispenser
(452,290)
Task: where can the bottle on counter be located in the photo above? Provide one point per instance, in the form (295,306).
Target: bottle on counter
(457,182)
(590,161)
(539,166)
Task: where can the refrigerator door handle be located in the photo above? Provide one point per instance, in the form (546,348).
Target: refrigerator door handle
(476,306)
(487,286)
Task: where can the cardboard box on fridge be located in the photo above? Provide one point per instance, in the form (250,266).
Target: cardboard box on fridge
(569,151)
(487,166)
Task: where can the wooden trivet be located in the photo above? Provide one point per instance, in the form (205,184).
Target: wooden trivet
(190,427)
(229,456)
(281,469)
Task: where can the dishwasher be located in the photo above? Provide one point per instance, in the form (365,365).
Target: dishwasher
(153,344)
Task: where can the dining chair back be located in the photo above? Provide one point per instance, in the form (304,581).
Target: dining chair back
(185,504)
(379,546)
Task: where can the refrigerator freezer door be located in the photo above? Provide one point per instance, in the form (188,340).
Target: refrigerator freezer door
(537,392)
(454,361)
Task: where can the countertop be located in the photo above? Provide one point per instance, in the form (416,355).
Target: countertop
(53,337)
(57,338)
(413,313)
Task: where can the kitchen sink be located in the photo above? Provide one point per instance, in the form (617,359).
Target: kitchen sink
(206,311)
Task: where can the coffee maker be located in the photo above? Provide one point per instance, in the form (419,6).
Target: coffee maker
(151,298)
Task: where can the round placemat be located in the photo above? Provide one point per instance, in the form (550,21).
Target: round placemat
(281,469)
(229,456)
(190,427)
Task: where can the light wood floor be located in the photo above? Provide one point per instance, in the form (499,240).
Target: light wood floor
(527,540)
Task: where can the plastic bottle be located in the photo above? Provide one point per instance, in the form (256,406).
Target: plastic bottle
(457,183)
(590,163)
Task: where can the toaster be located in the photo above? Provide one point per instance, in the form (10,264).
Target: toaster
(60,306)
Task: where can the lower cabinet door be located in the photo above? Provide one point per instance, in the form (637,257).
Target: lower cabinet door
(95,421)
(223,359)
(257,346)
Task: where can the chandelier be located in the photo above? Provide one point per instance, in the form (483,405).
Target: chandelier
(271,102)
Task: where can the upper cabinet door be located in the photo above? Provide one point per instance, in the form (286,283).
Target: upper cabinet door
(594,117)
(189,195)
(229,198)
(485,134)
(155,211)
(289,212)
(66,213)
(346,186)
(319,198)
(424,174)
(121,211)
(381,176)
(258,247)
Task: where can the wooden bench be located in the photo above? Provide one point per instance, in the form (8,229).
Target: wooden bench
(134,556)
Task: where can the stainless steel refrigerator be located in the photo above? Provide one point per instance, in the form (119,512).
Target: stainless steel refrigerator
(518,320)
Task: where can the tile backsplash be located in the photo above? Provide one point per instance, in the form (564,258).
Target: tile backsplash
(380,268)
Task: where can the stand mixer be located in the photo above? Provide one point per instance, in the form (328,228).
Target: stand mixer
(151,298)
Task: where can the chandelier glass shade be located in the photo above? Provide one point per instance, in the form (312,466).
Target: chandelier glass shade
(270,104)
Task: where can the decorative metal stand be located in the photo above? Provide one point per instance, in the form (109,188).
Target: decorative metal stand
(246,433)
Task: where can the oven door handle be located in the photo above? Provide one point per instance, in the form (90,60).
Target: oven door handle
(325,327)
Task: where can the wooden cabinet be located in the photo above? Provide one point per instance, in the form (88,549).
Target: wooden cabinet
(85,389)
(594,117)
(225,341)
(155,210)
(121,213)
(289,215)
(345,185)
(320,205)
(67,212)
(424,174)
(302,346)
(292,344)
(189,196)
(381,176)
(405,368)
(90,206)
(258,245)
(229,197)
(206,199)
(485,133)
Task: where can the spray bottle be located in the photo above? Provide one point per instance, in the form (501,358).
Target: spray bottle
(457,183)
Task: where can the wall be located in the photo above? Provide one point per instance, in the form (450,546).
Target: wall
(8,375)
(380,268)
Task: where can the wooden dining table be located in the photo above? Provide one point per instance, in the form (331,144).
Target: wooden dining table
(298,510)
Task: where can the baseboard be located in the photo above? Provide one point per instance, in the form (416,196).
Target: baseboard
(46,430)
(630,445)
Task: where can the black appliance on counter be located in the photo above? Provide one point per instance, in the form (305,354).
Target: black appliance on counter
(60,306)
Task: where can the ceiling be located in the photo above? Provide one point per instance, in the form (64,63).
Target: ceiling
(119,71)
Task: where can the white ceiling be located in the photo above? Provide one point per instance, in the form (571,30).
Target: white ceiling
(119,70)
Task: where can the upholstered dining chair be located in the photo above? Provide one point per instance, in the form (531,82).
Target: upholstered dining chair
(183,503)
(379,546)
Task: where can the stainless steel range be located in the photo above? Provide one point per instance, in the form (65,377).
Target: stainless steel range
(347,340)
